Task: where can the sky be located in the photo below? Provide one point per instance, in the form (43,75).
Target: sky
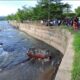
(10,6)
(73,3)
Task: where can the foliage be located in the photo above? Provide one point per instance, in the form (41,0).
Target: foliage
(76,64)
(44,10)
(70,15)
(78,11)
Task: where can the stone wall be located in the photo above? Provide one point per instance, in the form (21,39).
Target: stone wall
(60,39)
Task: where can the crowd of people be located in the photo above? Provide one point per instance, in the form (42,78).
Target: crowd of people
(69,22)
(74,22)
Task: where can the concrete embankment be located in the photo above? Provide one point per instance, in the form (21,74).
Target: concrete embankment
(58,38)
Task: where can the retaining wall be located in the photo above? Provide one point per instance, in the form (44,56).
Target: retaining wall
(60,39)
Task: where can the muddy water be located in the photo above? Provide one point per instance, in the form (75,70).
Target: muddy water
(13,64)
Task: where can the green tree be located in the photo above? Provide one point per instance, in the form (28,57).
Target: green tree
(78,11)
(43,10)
(11,17)
(69,15)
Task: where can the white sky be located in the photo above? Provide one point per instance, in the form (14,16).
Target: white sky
(74,3)
(11,6)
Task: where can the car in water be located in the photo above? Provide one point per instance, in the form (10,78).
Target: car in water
(36,53)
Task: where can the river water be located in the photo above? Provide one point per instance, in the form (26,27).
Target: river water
(13,52)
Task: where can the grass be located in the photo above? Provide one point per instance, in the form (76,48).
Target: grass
(76,62)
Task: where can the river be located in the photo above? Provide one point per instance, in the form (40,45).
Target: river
(13,53)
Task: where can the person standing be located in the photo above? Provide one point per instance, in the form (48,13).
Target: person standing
(75,24)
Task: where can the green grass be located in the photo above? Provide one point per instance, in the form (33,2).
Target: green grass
(76,62)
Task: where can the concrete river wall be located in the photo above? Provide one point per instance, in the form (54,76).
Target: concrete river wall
(60,39)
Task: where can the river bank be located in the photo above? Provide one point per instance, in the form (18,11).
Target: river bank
(61,39)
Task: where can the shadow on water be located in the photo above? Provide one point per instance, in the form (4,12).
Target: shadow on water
(14,63)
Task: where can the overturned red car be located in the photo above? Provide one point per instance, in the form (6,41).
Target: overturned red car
(38,53)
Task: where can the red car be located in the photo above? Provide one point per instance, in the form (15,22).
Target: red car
(39,54)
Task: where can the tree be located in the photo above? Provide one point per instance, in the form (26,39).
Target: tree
(43,10)
(11,17)
(69,15)
(49,1)
(78,11)
(67,8)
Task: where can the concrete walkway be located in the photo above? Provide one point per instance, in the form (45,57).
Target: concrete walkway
(64,72)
